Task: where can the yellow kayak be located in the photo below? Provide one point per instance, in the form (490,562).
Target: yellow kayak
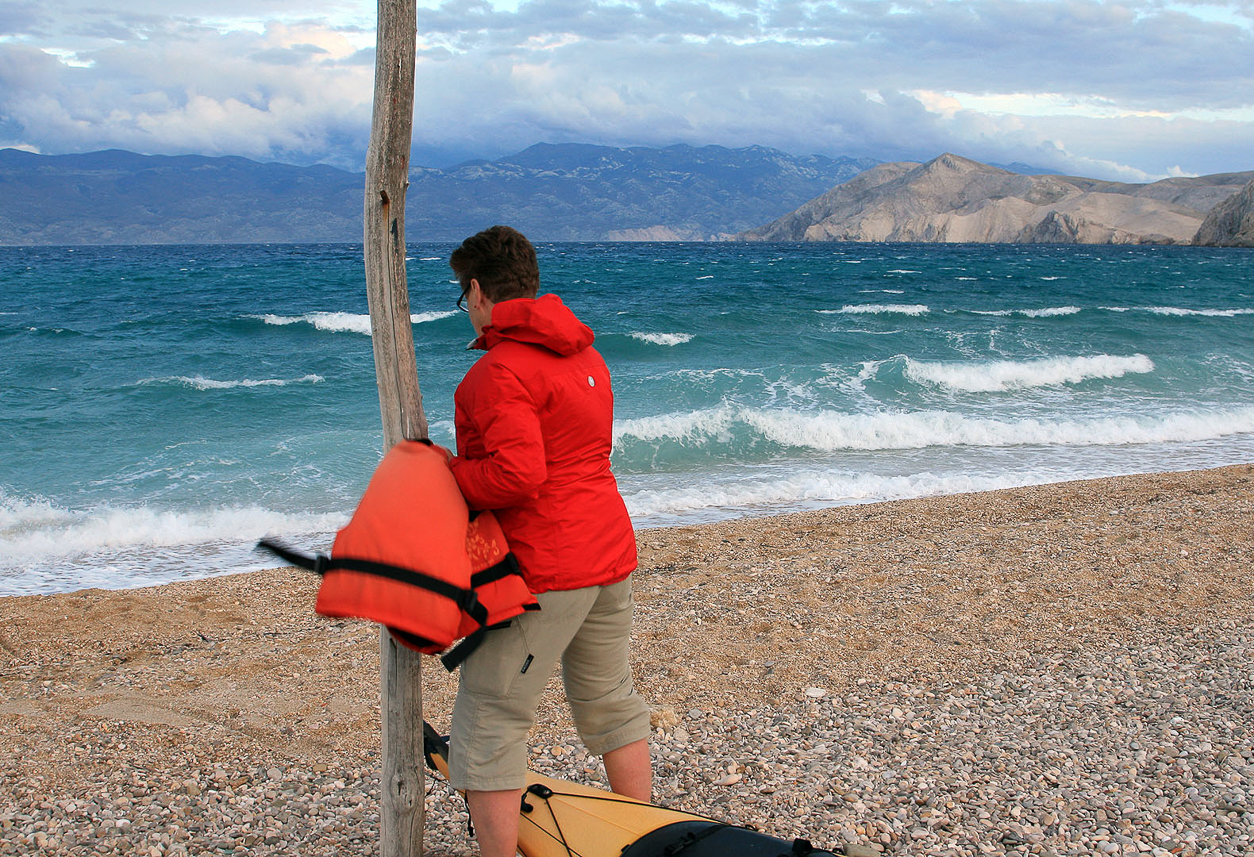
(564,819)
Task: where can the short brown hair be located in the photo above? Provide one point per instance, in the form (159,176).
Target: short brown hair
(502,260)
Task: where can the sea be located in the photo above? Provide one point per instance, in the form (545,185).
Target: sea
(164,407)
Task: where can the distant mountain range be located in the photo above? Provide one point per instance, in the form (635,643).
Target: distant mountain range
(954,199)
(598,193)
(550,192)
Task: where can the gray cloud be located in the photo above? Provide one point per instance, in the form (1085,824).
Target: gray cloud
(801,97)
(195,90)
(837,78)
(1136,54)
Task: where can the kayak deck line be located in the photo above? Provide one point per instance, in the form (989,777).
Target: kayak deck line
(584,821)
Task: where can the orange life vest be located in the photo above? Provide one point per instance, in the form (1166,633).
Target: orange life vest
(412,558)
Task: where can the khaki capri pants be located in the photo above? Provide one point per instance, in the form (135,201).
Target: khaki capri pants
(589,631)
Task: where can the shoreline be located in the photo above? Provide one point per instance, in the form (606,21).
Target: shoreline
(756,514)
(849,635)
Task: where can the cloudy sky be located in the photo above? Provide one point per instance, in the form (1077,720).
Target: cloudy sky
(1136,90)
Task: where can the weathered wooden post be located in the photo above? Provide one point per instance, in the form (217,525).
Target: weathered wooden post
(400,401)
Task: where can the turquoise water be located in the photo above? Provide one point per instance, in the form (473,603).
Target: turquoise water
(163,407)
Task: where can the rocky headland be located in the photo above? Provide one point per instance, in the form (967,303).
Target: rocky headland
(1231,223)
(954,199)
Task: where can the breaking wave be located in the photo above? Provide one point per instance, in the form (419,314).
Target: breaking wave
(1181,312)
(345,322)
(1047,312)
(118,547)
(1004,375)
(199,383)
(878,309)
(663,338)
(736,429)
(1212,313)
(802,488)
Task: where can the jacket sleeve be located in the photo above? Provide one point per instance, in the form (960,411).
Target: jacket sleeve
(503,413)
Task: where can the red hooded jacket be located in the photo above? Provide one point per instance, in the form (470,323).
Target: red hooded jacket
(534,423)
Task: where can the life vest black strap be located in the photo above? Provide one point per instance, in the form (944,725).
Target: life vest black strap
(465,599)
(491,574)
(311,562)
(453,658)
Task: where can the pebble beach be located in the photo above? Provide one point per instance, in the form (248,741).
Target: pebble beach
(1064,669)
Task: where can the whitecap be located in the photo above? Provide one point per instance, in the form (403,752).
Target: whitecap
(1044,312)
(691,425)
(997,376)
(335,322)
(1049,312)
(880,309)
(832,431)
(435,315)
(663,338)
(115,547)
(806,488)
(346,322)
(1212,313)
(200,383)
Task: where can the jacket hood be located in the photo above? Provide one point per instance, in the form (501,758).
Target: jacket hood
(544,321)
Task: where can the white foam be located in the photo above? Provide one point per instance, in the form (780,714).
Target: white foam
(1181,311)
(878,309)
(38,529)
(346,322)
(663,338)
(435,315)
(807,488)
(335,322)
(999,376)
(706,277)
(831,431)
(200,383)
(1213,313)
(675,426)
(1047,312)
(904,271)
(939,428)
(115,546)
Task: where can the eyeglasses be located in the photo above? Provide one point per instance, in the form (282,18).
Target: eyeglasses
(461,303)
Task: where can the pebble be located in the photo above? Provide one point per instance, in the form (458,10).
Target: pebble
(1040,761)
(1140,741)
